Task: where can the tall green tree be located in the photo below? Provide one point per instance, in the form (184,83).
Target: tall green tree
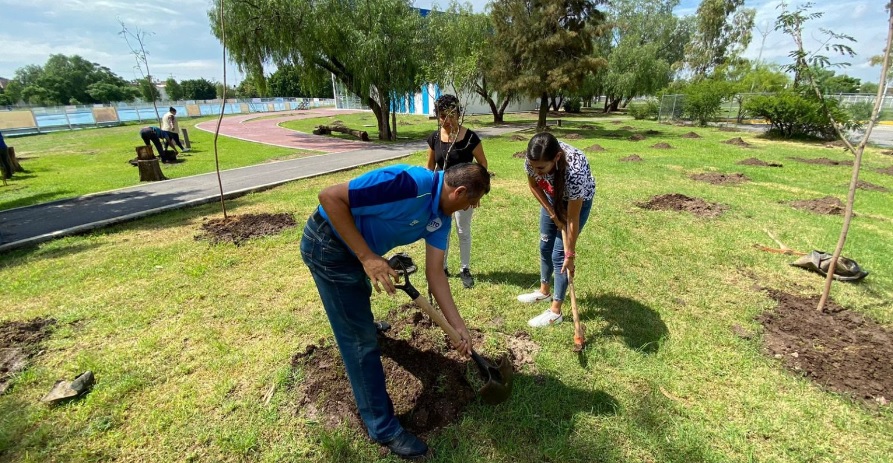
(198,89)
(66,80)
(723,30)
(148,90)
(545,46)
(286,82)
(645,46)
(372,47)
(174,89)
(460,45)
(106,92)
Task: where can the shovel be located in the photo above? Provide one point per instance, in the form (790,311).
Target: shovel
(579,334)
(497,379)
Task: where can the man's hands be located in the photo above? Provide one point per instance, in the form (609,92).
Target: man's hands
(378,271)
(463,346)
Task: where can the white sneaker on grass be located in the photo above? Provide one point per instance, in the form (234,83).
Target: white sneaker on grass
(545,319)
(535,296)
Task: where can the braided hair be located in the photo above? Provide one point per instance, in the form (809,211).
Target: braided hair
(544,147)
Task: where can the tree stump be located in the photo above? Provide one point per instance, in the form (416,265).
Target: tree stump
(327,129)
(186,139)
(150,170)
(11,154)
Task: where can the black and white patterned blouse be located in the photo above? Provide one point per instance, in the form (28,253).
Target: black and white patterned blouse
(579,182)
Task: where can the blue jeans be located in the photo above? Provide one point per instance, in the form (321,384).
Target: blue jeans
(552,250)
(345,290)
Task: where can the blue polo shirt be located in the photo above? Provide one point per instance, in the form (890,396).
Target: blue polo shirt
(398,205)
(2,143)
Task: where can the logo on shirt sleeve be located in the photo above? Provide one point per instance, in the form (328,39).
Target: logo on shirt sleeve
(434,224)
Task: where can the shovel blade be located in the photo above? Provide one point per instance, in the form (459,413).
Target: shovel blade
(500,378)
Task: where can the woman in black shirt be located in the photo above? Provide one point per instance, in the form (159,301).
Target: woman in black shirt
(453,144)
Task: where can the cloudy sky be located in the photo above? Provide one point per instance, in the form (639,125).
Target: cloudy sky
(181,44)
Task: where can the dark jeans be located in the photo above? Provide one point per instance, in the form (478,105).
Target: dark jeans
(148,135)
(345,290)
(5,163)
(552,250)
(173,138)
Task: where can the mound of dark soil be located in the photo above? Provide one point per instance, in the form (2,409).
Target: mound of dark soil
(885,170)
(240,228)
(863,185)
(573,136)
(662,146)
(520,154)
(426,380)
(588,127)
(758,162)
(518,137)
(595,147)
(19,341)
(653,132)
(617,122)
(636,137)
(838,349)
(691,135)
(680,202)
(737,141)
(627,127)
(829,205)
(632,158)
(824,161)
(716,178)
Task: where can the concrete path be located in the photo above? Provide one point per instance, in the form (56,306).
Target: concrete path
(34,224)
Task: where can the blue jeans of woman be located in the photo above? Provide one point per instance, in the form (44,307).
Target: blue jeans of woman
(552,250)
(345,290)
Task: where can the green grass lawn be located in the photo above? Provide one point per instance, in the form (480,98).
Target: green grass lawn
(67,164)
(187,338)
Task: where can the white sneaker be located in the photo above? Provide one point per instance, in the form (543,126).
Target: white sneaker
(545,319)
(535,296)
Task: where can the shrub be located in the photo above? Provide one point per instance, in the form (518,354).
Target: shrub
(647,109)
(860,110)
(793,114)
(703,100)
(573,105)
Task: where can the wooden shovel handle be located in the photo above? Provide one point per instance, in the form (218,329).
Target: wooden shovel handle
(579,336)
(438,318)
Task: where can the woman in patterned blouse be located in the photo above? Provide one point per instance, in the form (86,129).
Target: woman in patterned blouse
(560,179)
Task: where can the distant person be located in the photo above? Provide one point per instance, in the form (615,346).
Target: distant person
(454,144)
(154,135)
(171,129)
(5,163)
(561,181)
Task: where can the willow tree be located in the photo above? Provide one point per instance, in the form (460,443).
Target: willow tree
(545,47)
(372,47)
(723,30)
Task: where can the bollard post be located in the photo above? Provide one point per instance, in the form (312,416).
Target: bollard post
(186,139)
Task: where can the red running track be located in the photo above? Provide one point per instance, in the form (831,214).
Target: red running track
(261,128)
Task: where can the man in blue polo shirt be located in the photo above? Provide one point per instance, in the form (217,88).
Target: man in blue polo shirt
(344,242)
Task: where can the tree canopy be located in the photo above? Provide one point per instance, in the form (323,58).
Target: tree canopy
(68,80)
(198,89)
(723,30)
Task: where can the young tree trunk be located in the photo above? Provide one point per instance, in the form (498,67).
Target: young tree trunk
(505,104)
(382,117)
(544,111)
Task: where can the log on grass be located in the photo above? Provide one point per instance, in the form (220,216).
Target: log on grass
(150,170)
(11,154)
(327,129)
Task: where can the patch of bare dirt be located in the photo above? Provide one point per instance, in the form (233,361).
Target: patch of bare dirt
(595,147)
(835,144)
(823,161)
(617,122)
(758,162)
(887,152)
(19,341)
(839,349)
(520,154)
(588,127)
(636,137)
(632,158)
(653,132)
(238,229)
(885,170)
(829,205)
(518,137)
(863,185)
(691,135)
(662,146)
(573,136)
(716,178)
(426,380)
(737,141)
(627,127)
(680,202)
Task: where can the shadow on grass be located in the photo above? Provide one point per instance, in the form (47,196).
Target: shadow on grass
(640,326)
(519,279)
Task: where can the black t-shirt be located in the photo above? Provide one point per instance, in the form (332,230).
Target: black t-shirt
(454,153)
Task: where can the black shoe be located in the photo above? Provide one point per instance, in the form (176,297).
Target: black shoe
(408,446)
(382,326)
(467,279)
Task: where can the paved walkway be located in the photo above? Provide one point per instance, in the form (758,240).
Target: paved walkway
(34,224)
